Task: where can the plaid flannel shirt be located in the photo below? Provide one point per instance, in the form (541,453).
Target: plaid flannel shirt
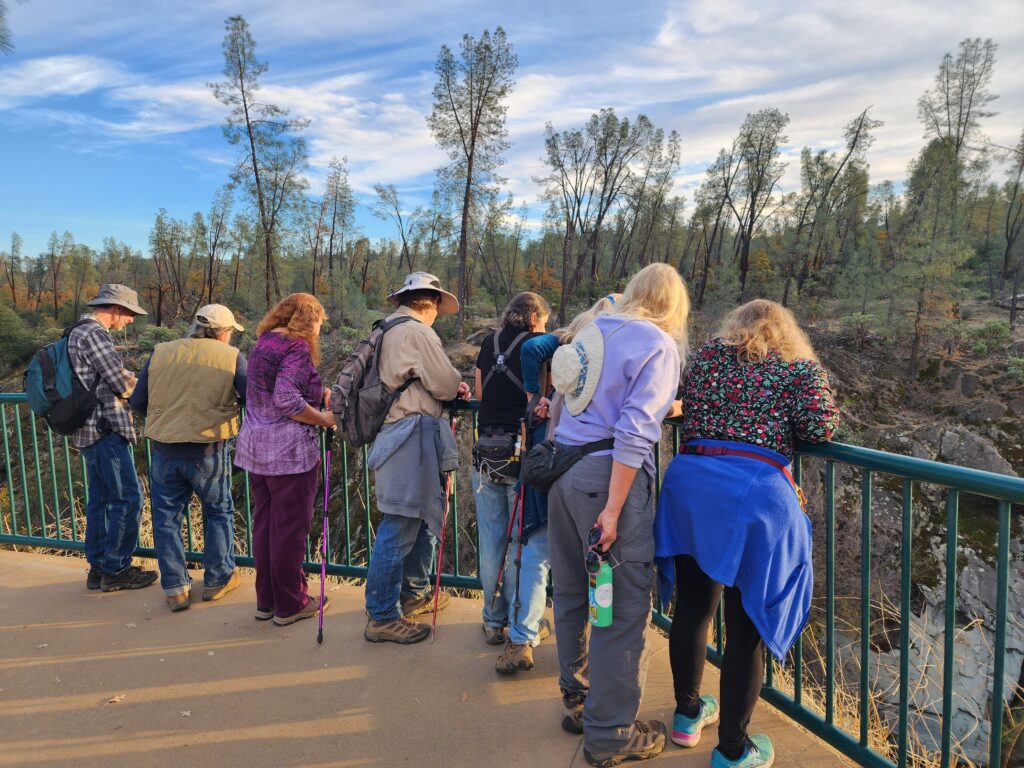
(92,352)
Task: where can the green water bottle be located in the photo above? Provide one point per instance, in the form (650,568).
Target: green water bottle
(601,595)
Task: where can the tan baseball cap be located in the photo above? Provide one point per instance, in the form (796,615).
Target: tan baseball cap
(218,317)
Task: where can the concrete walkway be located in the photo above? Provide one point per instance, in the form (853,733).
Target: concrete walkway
(93,679)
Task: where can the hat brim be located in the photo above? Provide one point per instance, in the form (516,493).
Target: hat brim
(101,302)
(449,305)
(592,339)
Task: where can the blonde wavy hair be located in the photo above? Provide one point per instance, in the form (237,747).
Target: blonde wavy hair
(600,307)
(296,315)
(761,326)
(658,294)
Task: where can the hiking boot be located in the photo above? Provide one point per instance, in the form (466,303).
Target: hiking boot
(573,720)
(514,658)
(415,606)
(403,631)
(180,601)
(494,635)
(543,630)
(264,614)
(131,577)
(758,753)
(686,730)
(310,609)
(94,579)
(216,593)
(646,741)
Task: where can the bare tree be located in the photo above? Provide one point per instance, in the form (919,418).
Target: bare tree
(12,266)
(758,147)
(390,207)
(273,158)
(468,121)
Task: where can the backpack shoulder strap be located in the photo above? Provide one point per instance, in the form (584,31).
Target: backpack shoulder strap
(67,335)
(499,362)
(385,326)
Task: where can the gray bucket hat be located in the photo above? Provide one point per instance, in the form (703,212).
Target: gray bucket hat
(121,295)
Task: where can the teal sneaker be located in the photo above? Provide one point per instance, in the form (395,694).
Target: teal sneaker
(686,730)
(759,753)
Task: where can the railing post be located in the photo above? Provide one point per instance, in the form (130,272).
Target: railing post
(865,600)
(830,591)
(999,671)
(905,587)
(952,528)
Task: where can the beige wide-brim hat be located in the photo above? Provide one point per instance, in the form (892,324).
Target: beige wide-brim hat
(424,281)
(576,368)
(218,317)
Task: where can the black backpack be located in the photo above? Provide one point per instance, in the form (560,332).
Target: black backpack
(360,400)
(53,390)
(499,361)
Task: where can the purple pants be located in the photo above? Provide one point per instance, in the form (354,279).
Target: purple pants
(280,527)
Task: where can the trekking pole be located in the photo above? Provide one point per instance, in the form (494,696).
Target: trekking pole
(323,537)
(496,592)
(519,547)
(440,554)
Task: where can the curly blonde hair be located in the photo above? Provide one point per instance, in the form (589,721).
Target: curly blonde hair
(600,307)
(761,326)
(658,294)
(296,315)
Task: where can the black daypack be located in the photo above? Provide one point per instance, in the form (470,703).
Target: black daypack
(360,400)
(53,390)
(499,361)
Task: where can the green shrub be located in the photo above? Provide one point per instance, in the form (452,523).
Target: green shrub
(995,335)
(1015,368)
(157,334)
(979,349)
(859,323)
(17,343)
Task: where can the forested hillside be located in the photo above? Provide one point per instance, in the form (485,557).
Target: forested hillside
(927,265)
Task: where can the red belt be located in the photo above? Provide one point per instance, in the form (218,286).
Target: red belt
(720,450)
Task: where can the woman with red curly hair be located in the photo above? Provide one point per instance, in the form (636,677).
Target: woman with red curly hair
(279,446)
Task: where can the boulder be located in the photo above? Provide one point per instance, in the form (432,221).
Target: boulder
(969,384)
(959,445)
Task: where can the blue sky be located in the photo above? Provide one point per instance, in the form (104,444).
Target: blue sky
(105,116)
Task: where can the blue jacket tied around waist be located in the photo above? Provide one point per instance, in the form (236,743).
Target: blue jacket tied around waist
(741,521)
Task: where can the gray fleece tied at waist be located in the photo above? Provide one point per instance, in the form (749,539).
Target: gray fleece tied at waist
(409,459)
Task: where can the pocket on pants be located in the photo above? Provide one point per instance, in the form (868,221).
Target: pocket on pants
(635,542)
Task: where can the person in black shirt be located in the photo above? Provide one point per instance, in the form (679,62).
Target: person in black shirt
(499,388)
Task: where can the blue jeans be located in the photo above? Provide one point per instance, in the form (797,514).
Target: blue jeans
(399,565)
(533,584)
(115,504)
(494,504)
(172,483)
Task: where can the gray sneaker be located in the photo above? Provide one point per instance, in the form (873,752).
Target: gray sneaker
(646,741)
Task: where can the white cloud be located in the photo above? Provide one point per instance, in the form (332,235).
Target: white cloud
(41,78)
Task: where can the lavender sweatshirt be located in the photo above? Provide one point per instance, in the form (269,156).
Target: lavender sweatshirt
(638,381)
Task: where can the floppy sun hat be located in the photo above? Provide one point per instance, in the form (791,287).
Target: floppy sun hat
(424,281)
(576,368)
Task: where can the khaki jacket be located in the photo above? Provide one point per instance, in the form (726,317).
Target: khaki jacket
(413,350)
(192,396)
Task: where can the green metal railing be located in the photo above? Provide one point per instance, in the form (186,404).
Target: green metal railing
(46,491)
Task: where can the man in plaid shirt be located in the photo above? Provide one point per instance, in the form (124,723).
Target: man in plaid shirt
(115,497)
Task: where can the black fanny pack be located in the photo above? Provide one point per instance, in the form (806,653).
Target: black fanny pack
(549,460)
(495,456)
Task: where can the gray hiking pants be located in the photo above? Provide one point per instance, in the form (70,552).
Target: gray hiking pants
(616,658)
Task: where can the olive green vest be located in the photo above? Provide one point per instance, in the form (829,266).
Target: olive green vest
(192,395)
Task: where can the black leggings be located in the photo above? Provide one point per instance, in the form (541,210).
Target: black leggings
(697,598)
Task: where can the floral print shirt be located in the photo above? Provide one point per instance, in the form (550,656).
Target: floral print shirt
(770,403)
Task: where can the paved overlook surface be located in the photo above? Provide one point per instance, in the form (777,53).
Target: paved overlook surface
(93,679)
